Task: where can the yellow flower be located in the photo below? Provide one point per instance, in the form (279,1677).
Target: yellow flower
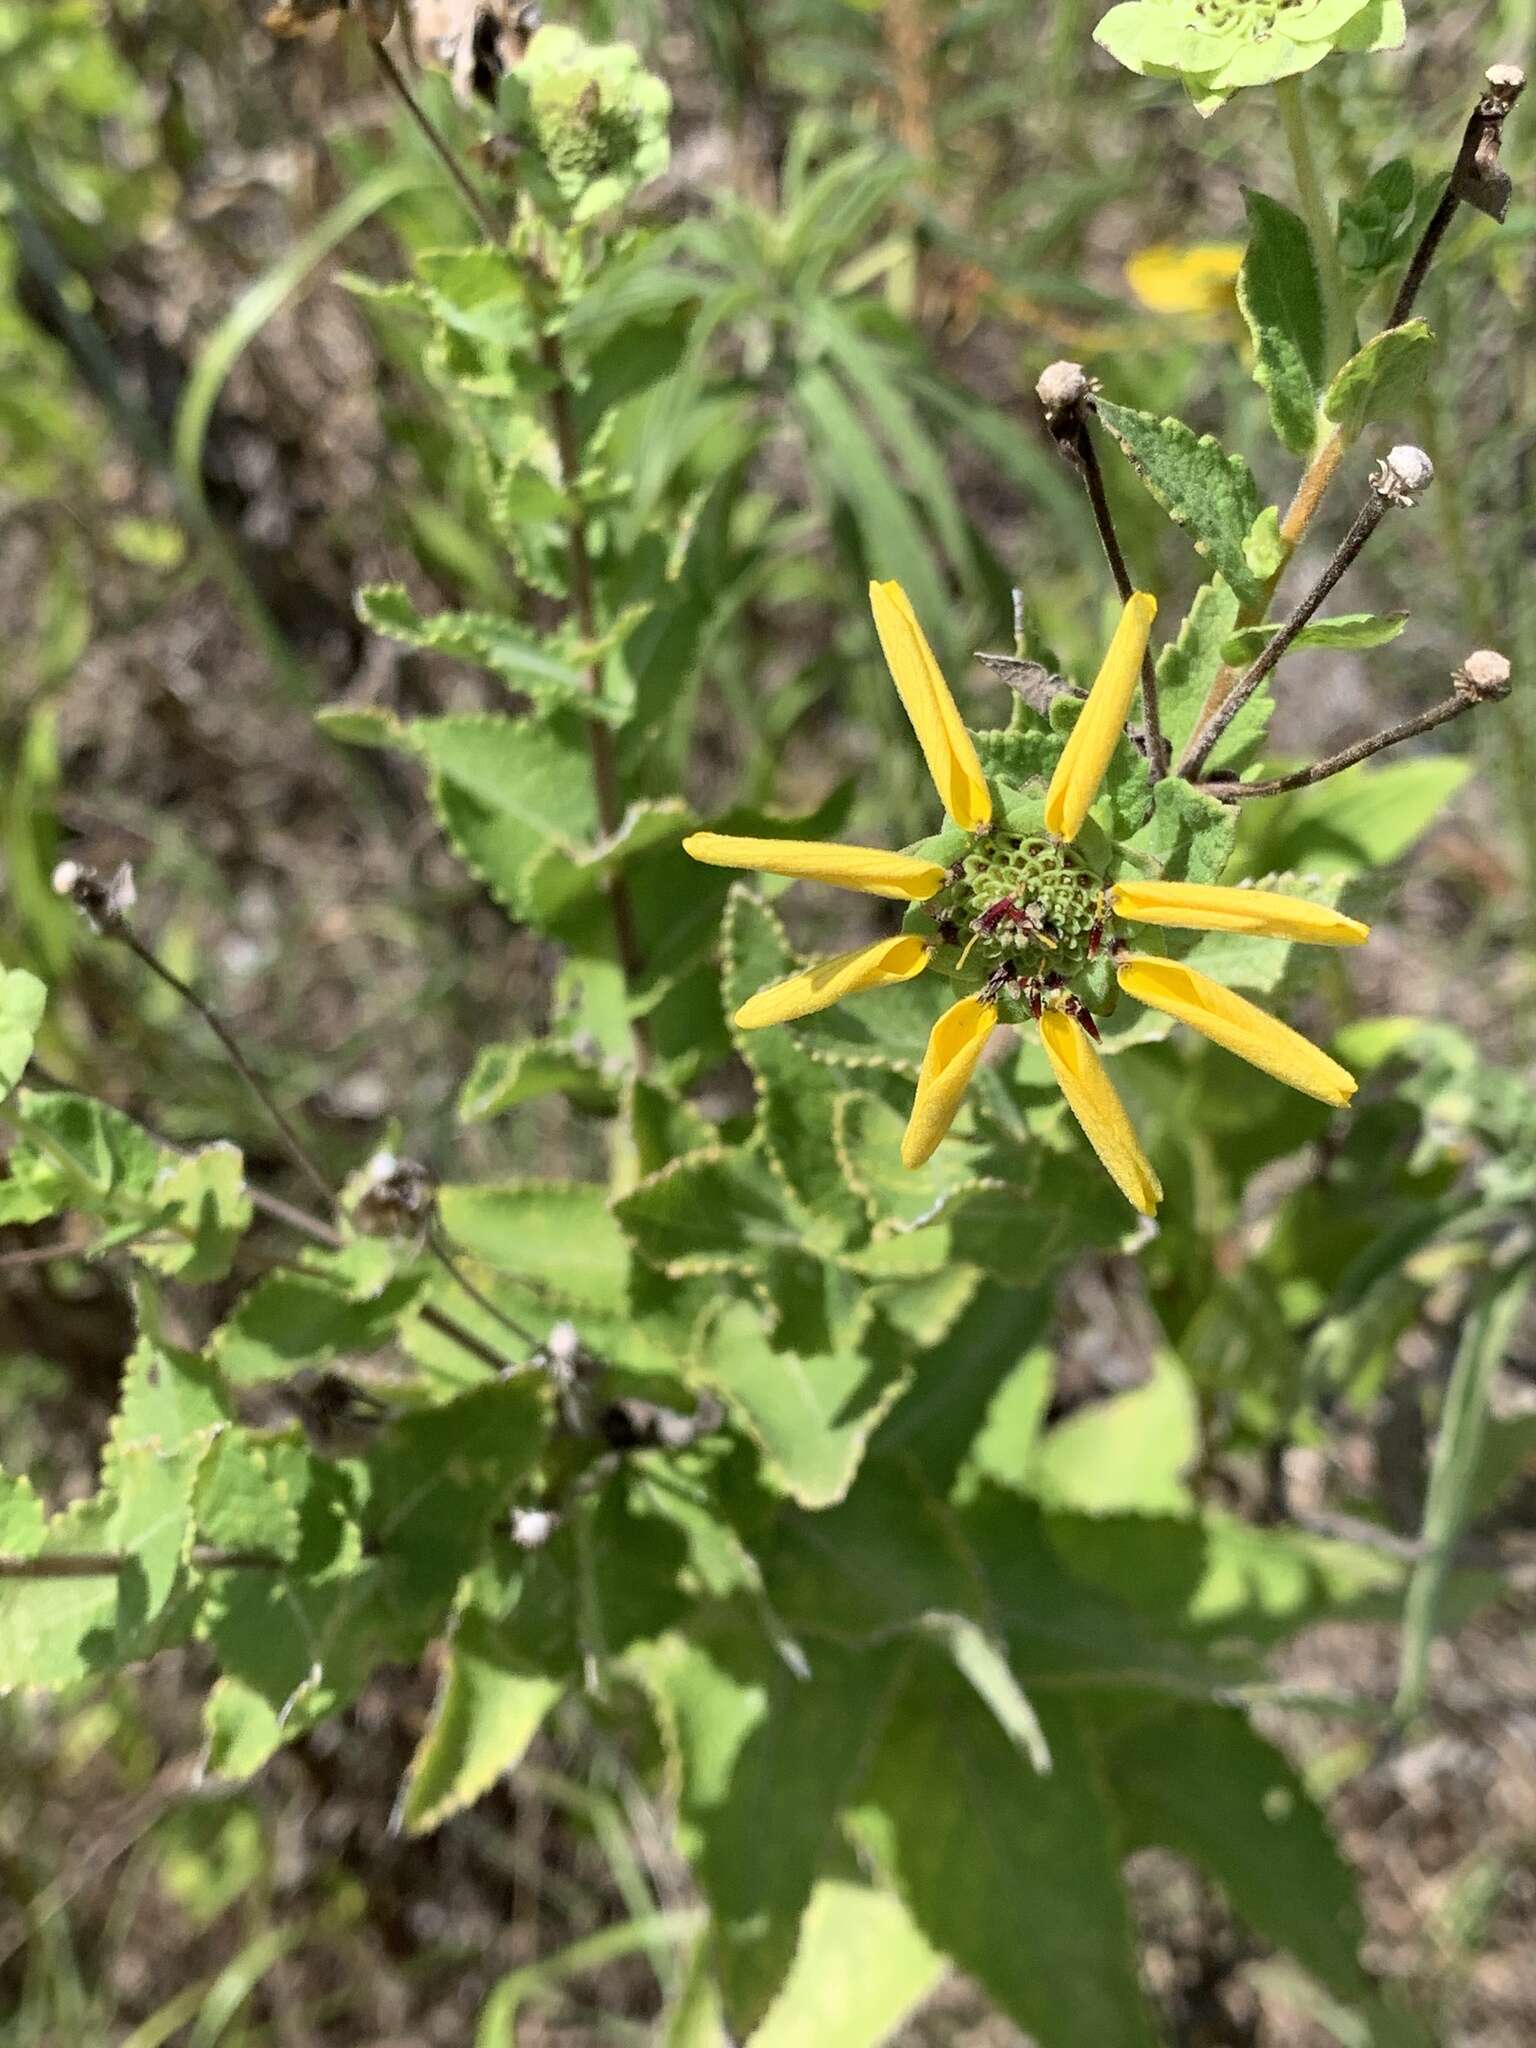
(1193,278)
(1026,897)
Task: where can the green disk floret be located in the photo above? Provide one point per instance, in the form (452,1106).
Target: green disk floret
(1025,920)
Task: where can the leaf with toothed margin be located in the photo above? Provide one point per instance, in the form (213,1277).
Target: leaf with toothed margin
(1383,379)
(1211,494)
(869,1134)
(557,1235)
(795,1096)
(490,1704)
(1281,297)
(766,1757)
(556,880)
(526,1069)
(721,1210)
(1188,837)
(811,1417)
(1189,664)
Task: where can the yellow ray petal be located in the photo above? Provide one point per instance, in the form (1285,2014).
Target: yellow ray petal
(865,868)
(1092,1099)
(1097,732)
(954,1046)
(1195,277)
(818,987)
(1237,1024)
(923,691)
(1260,913)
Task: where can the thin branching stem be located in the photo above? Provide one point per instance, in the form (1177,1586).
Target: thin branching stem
(1087,460)
(295,1146)
(395,79)
(606,783)
(106,1564)
(1211,729)
(1348,757)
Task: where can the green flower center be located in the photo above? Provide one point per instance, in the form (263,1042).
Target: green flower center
(1026,914)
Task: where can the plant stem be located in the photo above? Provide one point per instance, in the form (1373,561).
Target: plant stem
(605,770)
(484,219)
(1093,478)
(1303,778)
(295,1146)
(606,782)
(1315,211)
(1210,730)
(105,1564)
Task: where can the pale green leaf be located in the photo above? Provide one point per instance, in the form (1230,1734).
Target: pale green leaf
(558,1235)
(289,1320)
(241,1500)
(1383,379)
(490,1704)
(523,1070)
(1350,630)
(810,1416)
(22,997)
(1211,494)
(862,1966)
(1013,1875)
(1281,297)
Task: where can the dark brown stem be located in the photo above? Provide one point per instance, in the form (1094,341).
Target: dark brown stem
(105,1564)
(296,1219)
(1211,729)
(390,72)
(1086,457)
(443,1252)
(1477,179)
(605,770)
(1362,750)
(297,1150)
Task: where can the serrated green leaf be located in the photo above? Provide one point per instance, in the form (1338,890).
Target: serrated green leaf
(1382,379)
(1281,297)
(21,1517)
(1013,1875)
(240,1500)
(558,1235)
(290,1320)
(505,1076)
(796,1097)
(207,1210)
(810,1416)
(536,669)
(768,1756)
(1354,630)
(505,789)
(1187,666)
(489,1706)
(716,1211)
(861,1967)
(1197,1779)
(1211,494)
(1190,834)
(151,1525)
(22,999)
(168,1396)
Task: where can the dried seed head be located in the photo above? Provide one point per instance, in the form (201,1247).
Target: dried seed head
(1505,84)
(1402,475)
(396,1196)
(1062,388)
(1484,676)
(104,902)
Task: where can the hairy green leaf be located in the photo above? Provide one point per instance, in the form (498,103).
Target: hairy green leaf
(1383,379)
(1211,494)
(1281,297)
